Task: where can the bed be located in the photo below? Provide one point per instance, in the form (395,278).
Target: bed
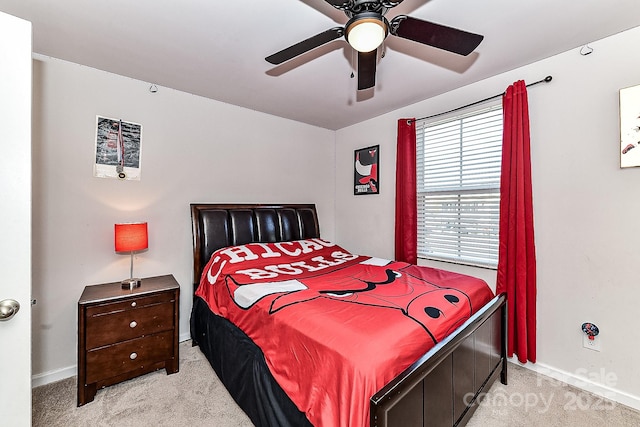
(440,387)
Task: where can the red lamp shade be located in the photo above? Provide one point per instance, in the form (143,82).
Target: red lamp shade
(131,237)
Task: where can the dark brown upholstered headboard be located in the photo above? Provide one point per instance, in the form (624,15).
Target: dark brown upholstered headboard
(218,225)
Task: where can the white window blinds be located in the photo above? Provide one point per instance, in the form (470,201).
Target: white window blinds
(458,172)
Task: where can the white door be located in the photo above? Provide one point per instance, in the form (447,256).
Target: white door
(15,220)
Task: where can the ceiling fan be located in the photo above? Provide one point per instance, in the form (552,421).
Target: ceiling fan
(367,28)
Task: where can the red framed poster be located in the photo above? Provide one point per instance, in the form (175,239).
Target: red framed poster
(366,170)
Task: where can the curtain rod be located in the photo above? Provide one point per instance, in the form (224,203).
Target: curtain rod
(545,80)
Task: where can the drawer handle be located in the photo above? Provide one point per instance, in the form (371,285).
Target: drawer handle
(133,304)
(133,324)
(133,356)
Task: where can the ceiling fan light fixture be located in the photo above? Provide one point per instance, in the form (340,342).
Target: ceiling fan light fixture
(365,32)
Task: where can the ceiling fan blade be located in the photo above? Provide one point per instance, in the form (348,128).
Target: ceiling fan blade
(436,35)
(305,45)
(367,69)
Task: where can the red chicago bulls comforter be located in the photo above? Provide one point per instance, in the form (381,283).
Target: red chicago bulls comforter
(335,327)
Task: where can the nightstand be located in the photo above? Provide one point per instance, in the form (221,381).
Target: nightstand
(125,333)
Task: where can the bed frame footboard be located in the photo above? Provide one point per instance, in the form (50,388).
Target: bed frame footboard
(445,386)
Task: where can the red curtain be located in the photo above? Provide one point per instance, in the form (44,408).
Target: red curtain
(516,257)
(406,197)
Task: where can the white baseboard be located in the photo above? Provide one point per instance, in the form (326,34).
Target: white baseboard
(70,371)
(53,376)
(583,383)
(186,336)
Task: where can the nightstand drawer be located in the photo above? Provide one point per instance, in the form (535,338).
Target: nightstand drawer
(119,326)
(128,304)
(128,356)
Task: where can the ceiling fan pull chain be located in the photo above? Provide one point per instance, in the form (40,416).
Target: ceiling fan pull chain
(353,61)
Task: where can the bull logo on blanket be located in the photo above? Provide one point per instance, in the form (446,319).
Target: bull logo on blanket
(422,301)
(350,279)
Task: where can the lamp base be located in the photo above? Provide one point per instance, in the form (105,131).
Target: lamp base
(131,283)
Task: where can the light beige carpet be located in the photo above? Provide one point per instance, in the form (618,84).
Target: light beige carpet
(195,397)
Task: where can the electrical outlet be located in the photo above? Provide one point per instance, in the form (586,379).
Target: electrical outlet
(593,344)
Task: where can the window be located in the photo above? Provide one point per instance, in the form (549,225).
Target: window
(458,167)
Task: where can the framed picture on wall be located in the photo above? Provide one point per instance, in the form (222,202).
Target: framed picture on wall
(630,127)
(366,170)
(117,151)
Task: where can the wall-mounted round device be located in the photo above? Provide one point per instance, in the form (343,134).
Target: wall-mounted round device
(590,329)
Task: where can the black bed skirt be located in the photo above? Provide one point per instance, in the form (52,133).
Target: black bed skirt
(241,367)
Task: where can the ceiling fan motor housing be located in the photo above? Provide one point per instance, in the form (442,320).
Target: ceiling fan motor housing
(354,7)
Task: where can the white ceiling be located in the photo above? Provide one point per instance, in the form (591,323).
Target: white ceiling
(216,49)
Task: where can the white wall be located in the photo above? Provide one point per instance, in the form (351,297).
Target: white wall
(586,207)
(193,150)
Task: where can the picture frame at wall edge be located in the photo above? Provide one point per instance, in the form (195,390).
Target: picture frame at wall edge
(629,148)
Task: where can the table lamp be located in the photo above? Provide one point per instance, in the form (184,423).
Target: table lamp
(131,237)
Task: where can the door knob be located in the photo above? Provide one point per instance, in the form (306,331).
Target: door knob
(8,308)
